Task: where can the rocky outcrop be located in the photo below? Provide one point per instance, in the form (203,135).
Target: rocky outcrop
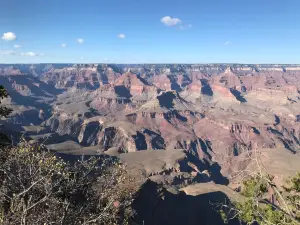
(162,82)
(89,133)
(132,86)
(64,124)
(80,76)
(9,71)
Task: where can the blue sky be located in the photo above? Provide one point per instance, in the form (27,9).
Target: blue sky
(150,31)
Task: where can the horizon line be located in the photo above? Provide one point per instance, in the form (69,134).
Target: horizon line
(87,63)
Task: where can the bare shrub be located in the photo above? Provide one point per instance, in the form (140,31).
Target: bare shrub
(37,187)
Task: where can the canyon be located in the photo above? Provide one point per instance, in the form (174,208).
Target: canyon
(176,124)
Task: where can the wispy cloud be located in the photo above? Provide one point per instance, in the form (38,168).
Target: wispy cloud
(18,46)
(32,54)
(227,43)
(169,21)
(80,40)
(109,59)
(184,27)
(9,36)
(121,36)
(63,45)
(7,52)
(10,52)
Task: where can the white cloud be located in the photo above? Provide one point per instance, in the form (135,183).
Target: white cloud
(122,36)
(63,45)
(80,40)
(227,43)
(7,52)
(169,21)
(18,46)
(9,36)
(32,54)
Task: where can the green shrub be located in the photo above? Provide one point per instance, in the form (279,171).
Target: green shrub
(255,209)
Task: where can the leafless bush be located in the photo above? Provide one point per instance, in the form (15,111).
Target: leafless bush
(37,187)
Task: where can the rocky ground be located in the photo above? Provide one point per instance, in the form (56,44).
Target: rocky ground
(175,124)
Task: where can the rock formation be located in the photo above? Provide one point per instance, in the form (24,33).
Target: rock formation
(205,117)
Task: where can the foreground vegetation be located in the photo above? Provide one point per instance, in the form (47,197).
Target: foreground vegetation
(37,187)
(266,204)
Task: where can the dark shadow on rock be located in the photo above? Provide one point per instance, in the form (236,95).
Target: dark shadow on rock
(287,145)
(277,120)
(90,133)
(103,78)
(140,141)
(273,131)
(110,133)
(166,99)
(196,161)
(216,176)
(255,130)
(235,150)
(174,85)
(205,148)
(144,81)
(186,81)
(150,132)
(157,141)
(180,117)
(243,89)
(237,95)
(91,113)
(155,205)
(122,91)
(206,89)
